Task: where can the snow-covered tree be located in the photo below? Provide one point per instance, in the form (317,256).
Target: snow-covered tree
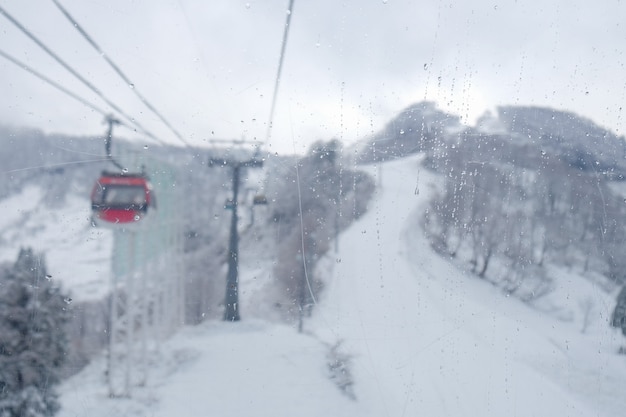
(503,203)
(618,318)
(33,344)
(317,198)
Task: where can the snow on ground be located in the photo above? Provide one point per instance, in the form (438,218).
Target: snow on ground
(77,254)
(223,369)
(429,339)
(423,338)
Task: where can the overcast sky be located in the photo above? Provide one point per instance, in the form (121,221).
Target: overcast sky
(209,66)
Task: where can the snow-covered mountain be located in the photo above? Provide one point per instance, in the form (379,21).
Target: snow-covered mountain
(403,313)
(397,331)
(578,141)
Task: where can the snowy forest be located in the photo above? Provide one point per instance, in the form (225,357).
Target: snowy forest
(523,198)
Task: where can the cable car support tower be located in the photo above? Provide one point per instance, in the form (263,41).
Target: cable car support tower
(146,296)
(231,311)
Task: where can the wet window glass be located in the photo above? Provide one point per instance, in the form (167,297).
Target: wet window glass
(287,207)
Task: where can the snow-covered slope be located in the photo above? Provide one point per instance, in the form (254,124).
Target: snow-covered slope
(431,340)
(417,336)
(223,369)
(77,254)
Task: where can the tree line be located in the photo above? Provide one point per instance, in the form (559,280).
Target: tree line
(317,198)
(521,208)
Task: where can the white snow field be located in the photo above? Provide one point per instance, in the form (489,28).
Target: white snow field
(77,254)
(423,337)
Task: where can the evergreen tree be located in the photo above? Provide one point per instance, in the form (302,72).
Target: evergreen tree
(33,344)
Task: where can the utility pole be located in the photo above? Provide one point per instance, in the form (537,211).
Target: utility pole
(231,312)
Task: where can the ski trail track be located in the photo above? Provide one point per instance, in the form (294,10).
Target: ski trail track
(424,339)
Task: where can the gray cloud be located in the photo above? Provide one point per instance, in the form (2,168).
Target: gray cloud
(209,67)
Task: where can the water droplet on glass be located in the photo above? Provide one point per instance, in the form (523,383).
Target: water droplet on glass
(145,146)
(48,277)
(131,85)
(425,67)
(125,170)
(136,218)
(67,300)
(247,5)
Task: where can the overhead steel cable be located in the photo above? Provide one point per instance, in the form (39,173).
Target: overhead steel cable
(51,82)
(280,68)
(60,87)
(118,71)
(80,77)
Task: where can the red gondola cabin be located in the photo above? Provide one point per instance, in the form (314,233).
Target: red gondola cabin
(120,199)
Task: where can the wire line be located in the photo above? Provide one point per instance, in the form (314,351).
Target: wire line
(77,75)
(51,82)
(280,68)
(58,86)
(118,70)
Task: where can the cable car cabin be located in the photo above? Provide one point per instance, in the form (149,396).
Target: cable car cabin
(121,199)
(259,200)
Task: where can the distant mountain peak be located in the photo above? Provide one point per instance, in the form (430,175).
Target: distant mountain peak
(416,128)
(577,140)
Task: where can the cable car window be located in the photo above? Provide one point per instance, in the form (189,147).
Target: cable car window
(124,195)
(365,208)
